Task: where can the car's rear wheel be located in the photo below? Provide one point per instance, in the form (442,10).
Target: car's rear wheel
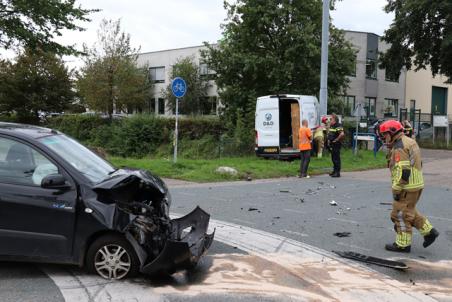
(112,257)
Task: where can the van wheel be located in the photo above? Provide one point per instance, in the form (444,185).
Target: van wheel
(112,257)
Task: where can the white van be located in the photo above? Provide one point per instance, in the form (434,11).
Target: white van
(278,119)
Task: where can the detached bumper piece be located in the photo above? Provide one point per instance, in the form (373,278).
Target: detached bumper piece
(189,241)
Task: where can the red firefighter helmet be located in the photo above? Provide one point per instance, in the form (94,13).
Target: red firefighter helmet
(324,120)
(392,127)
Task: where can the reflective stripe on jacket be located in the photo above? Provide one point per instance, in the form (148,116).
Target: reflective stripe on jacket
(406,156)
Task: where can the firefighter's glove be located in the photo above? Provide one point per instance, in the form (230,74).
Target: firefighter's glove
(396,196)
(405,176)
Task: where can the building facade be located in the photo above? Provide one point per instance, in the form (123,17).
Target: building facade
(160,63)
(381,95)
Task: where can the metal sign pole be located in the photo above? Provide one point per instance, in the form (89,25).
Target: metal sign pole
(355,151)
(176,131)
(179,88)
(448,135)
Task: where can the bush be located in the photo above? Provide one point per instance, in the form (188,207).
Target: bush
(144,135)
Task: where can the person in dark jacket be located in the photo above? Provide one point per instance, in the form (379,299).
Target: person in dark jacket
(335,137)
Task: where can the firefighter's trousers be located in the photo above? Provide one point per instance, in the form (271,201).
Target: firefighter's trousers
(405,216)
(319,143)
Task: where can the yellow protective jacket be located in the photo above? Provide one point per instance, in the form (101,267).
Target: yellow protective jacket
(405,165)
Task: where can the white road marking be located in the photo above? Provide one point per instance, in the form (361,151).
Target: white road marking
(326,275)
(343,220)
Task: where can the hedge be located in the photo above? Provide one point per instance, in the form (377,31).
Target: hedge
(142,135)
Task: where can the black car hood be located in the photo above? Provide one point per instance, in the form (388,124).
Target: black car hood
(124,178)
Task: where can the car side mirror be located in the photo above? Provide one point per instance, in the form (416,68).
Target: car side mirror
(54,181)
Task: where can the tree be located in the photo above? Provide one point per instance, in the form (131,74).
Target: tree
(38,81)
(110,77)
(35,24)
(420,35)
(195,98)
(274,47)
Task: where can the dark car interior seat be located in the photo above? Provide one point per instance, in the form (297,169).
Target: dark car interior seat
(20,163)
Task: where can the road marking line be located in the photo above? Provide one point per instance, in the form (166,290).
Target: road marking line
(343,220)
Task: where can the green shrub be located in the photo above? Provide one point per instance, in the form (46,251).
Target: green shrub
(144,135)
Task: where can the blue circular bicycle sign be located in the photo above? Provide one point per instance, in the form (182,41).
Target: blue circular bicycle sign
(178,87)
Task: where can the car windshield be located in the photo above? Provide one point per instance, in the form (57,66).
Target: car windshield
(84,160)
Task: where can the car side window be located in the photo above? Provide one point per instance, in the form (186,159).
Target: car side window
(21,164)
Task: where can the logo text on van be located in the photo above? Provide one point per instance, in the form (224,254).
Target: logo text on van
(268,120)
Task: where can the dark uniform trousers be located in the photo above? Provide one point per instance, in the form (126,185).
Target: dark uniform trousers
(336,157)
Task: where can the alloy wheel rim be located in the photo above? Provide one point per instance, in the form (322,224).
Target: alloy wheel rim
(112,262)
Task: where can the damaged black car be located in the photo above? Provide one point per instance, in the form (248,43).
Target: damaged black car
(62,203)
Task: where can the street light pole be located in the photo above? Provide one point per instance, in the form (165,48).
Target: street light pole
(324,62)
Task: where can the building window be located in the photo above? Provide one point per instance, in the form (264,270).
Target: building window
(391,76)
(203,69)
(349,104)
(209,105)
(353,72)
(205,72)
(151,106)
(391,107)
(371,69)
(157,74)
(161,106)
(369,106)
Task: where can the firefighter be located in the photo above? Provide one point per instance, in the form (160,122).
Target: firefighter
(319,137)
(407,184)
(335,138)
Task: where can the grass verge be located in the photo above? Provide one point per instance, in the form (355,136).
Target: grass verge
(252,166)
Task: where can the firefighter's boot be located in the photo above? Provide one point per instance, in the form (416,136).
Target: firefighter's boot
(393,247)
(430,237)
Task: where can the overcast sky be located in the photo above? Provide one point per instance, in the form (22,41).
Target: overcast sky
(158,25)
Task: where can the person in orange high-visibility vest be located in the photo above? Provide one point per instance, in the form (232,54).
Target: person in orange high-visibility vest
(304,137)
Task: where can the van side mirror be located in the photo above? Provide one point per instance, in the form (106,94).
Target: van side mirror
(54,181)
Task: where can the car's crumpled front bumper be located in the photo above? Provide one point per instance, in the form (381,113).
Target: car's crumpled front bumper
(184,249)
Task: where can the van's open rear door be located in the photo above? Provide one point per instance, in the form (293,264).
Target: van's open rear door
(267,125)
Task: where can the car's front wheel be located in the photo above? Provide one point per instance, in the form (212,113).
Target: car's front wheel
(112,257)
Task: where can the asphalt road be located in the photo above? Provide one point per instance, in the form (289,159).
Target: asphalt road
(294,208)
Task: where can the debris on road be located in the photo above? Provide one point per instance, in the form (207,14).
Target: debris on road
(276,217)
(252,209)
(342,234)
(386,203)
(284,191)
(333,203)
(372,260)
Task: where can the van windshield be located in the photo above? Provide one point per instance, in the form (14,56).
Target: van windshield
(81,158)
